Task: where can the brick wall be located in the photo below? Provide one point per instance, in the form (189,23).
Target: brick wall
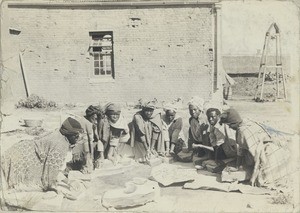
(168,55)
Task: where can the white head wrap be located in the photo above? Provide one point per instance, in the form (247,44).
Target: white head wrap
(170,107)
(197,101)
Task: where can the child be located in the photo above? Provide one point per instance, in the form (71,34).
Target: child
(146,135)
(84,150)
(174,130)
(198,127)
(113,130)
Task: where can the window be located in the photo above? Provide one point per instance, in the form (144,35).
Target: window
(101,48)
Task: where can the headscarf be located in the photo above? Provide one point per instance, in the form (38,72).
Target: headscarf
(92,110)
(230,116)
(149,105)
(197,101)
(112,107)
(170,107)
(70,127)
(120,124)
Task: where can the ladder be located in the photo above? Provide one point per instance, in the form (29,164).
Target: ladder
(264,66)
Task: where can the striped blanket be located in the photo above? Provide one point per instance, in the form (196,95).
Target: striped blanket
(267,149)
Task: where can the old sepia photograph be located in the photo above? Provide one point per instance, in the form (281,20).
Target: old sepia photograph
(149,105)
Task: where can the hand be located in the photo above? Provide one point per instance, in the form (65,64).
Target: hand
(240,168)
(231,169)
(253,181)
(153,152)
(148,155)
(88,168)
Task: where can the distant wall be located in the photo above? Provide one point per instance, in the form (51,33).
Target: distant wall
(168,55)
(250,64)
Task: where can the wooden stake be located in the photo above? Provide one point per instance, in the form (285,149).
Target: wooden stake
(24,75)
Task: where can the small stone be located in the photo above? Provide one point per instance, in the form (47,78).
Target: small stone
(234,176)
(167,160)
(155,162)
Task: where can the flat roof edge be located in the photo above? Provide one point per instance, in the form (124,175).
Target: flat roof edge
(106,3)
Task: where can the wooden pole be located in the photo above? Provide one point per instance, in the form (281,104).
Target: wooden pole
(262,62)
(24,75)
(277,63)
(264,69)
(282,71)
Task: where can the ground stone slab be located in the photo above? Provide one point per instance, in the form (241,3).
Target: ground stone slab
(155,161)
(168,160)
(35,201)
(210,183)
(108,168)
(136,193)
(228,176)
(167,174)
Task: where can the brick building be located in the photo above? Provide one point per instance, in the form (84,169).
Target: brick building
(87,51)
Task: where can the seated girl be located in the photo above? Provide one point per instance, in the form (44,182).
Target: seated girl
(113,130)
(146,133)
(174,133)
(198,131)
(83,152)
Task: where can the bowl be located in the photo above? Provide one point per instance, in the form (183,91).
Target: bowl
(33,122)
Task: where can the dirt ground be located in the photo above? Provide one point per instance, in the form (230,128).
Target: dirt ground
(245,88)
(173,198)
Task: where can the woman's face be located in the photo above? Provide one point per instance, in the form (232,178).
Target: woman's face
(213,118)
(194,111)
(170,115)
(113,116)
(73,138)
(93,118)
(148,112)
(234,126)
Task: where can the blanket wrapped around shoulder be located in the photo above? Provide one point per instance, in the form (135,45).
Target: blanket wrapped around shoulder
(34,163)
(271,159)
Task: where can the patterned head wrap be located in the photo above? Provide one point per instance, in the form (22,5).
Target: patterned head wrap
(149,105)
(70,127)
(92,110)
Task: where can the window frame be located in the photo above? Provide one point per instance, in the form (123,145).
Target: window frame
(106,77)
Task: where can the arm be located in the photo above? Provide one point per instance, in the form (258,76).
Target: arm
(139,126)
(240,151)
(177,128)
(203,146)
(196,131)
